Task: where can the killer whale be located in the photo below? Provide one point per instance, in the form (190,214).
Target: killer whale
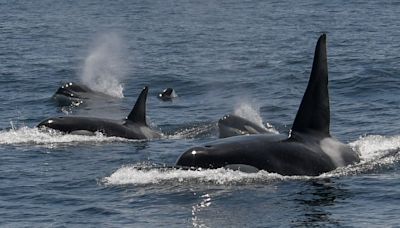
(133,127)
(233,125)
(308,150)
(167,94)
(75,94)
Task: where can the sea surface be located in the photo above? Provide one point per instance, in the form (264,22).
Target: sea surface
(249,57)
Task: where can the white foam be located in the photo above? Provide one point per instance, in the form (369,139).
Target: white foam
(134,175)
(375,152)
(26,135)
(192,132)
(105,66)
(374,146)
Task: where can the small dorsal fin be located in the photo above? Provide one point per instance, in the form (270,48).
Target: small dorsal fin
(138,113)
(313,115)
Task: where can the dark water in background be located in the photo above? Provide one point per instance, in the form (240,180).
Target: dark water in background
(252,57)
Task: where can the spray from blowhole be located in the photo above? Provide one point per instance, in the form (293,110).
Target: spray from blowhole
(106,66)
(251,113)
(246,111)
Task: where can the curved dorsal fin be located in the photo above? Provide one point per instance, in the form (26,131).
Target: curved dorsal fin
(313,115)
(138,113)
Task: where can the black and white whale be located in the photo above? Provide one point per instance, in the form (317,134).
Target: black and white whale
(133,127)
(233,125)
(167,94)
(309,149)
(75,94)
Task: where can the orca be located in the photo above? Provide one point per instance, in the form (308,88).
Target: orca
(167,94)
(132,127)
(233,125)
(75,94)
(308,150)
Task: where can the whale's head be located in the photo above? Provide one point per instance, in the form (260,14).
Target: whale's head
(72,90)
(212,157)
(167,94)
(200,157)
(64,124)
(71,94)
(232,125)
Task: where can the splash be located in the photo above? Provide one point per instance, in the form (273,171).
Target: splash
(374,146)
(51,138)
(375,152)
(249,112)
(138,176)
(105,66)
(193,131)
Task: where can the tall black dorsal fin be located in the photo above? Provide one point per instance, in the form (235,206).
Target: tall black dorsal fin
(313,115)
(138,113)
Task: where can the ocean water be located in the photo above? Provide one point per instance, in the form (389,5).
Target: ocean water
(250,57)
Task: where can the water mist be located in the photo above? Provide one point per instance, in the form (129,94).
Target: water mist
(106,66)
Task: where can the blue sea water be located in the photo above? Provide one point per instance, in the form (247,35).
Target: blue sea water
(251,57)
